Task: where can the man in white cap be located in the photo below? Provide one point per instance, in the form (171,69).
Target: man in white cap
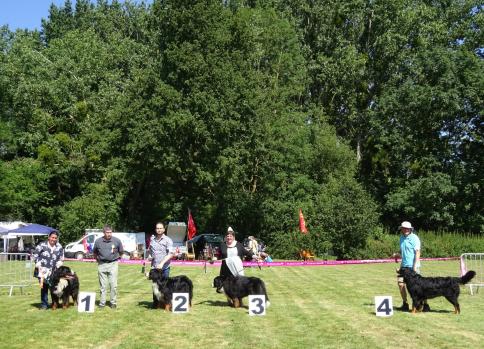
(410,255)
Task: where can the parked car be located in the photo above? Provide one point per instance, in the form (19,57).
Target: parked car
(206,245)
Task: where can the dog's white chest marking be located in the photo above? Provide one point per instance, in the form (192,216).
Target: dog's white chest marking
(60,287)
(156,290)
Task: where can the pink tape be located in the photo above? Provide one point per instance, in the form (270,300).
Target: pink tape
(277,264)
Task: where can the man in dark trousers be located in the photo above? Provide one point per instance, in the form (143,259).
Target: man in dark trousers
(107,250)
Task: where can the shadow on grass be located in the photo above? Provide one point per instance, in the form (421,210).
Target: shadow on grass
(145,304)
(214,303)
(220,304)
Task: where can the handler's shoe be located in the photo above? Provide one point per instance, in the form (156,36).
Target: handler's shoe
(404,307)
(426,308)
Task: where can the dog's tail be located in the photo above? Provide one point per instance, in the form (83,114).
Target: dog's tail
(262,290)
(467,277)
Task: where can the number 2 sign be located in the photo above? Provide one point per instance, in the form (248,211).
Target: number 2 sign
(180,302)
(383,306)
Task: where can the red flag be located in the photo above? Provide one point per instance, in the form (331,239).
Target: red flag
(302,223)
(192,229)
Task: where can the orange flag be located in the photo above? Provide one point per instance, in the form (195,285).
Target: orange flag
(192,229)
(302,223)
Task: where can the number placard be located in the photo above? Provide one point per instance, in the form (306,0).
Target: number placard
(180,303)
(383,306)
(257,305)
(86,302)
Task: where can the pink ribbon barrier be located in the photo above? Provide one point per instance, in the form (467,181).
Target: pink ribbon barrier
(275,264)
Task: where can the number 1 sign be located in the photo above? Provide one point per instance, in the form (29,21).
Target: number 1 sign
(86,301)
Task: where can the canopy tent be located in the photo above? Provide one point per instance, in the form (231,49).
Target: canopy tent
(30,230)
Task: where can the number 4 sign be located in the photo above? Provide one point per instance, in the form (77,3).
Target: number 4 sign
(86,301)
(383,306)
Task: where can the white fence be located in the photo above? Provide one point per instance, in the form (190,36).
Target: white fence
(473,261)
(15,271)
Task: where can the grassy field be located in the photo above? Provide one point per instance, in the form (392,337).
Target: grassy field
(311,307)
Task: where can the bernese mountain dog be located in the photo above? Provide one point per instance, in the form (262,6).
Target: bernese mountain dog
(238,287)
(163,288)
(422,288)
(64,283)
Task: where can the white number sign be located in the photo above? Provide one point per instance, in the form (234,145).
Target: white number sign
(86,302)
(383,306)
(180,303)
(257,305)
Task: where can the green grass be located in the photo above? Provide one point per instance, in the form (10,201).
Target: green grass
(312,307)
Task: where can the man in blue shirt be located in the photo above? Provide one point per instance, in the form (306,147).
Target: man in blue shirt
(410,254)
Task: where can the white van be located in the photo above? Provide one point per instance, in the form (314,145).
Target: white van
(134,245)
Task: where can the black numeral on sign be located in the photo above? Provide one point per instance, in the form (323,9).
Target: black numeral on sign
(181,305)
(180,302)
(258,306)
(384,307)
(86,299)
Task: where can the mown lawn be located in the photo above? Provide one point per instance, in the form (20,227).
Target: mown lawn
(311,307)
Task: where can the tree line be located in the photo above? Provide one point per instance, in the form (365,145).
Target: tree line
(362,113)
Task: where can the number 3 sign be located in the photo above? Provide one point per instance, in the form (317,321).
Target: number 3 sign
(383,306)
(257,304)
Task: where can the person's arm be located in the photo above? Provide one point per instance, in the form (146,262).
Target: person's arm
(164,260)
(120,247)
(36,255)
(60,261)
(95,251)
(416,260)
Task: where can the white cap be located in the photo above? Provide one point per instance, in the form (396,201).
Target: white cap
(230,229)
(406,224)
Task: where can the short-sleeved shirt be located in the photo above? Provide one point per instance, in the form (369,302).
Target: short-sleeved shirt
(108,251)
(159,249)
(46,257)
(408,246)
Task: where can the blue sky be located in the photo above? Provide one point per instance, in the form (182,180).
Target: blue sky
(25,14)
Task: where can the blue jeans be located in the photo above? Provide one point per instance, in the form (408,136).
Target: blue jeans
(166,272)
(44,295)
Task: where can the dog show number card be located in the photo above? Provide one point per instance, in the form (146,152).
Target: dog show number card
(257,305)
(180,303)
(383,306)
(86,302)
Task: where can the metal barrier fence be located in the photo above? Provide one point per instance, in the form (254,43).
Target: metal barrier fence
(15,271)
(473,261)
